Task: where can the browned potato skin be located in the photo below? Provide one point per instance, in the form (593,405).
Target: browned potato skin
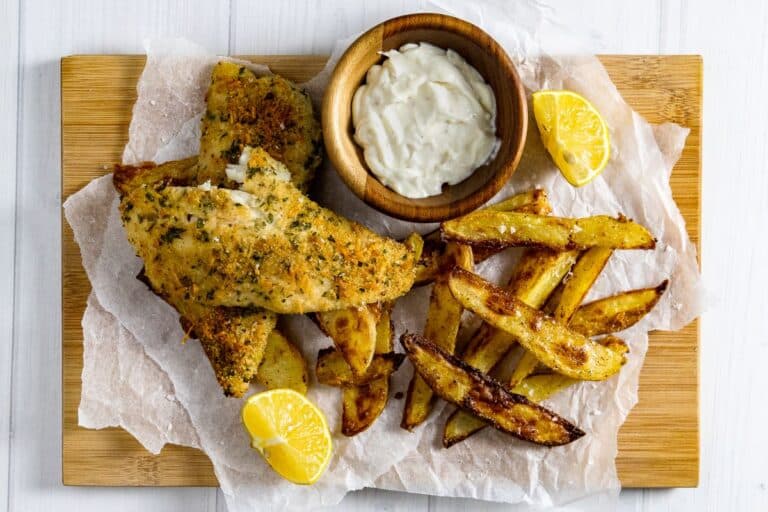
(462,424)
(497,230)
(565,351)
(353,331)
(361,405)
(442,327)
(283,365)
(566,299)
(458,383)
(536,275)
(616,313)
(333,370)
(532,201)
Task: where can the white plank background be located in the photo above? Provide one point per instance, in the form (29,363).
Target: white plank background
(35,34)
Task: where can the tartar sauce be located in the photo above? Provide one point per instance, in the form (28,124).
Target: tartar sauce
(424,117)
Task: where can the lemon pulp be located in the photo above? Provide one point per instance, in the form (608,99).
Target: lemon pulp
(574,133)
(290,432)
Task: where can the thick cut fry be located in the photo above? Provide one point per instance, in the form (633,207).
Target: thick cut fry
(282,366)
(566,299)
(496,230)
(462,424)
(362,405)
(616,313)
(536,275)
(462,385)
(333,370)
(353,331)
(565,351)
(540,387)
(532,201)
(442,326)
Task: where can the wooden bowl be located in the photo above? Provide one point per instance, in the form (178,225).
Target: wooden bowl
(482,52)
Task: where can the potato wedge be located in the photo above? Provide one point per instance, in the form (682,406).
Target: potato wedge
(361,405)
(353,331)
(462,424)
(333,370)
(563,350)
(566,299)
(569,295)
(457,382)
(442,326)
(616,313)
(283,365)
(533,201)
(496,230)
(536,275)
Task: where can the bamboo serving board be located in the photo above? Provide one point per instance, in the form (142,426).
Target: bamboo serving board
(659,443)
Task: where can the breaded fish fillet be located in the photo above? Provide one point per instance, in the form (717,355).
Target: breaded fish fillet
(266,245)
(234,339)
(269,111)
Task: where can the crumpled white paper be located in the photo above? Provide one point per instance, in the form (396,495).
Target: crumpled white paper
(138,375)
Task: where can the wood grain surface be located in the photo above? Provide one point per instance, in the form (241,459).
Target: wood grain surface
(659,444)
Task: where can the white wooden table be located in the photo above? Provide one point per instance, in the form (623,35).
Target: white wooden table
(34,34)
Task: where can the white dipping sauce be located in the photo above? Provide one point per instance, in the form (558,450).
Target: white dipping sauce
(424,117)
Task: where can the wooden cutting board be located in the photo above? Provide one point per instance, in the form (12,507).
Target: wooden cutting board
(659,443)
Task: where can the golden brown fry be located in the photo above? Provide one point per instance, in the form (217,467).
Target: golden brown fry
(532,201)
(462,424)
(540,387)
(457,382)
(497,230)
(333,370)
(616,313)
(362,405)
(442,326)
(565,351)
(353,331)
(283,365)
(535,276)
(566,299)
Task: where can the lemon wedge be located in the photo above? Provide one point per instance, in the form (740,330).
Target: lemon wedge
(290,432)
(574,133)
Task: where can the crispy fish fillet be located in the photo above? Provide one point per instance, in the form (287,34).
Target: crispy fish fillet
(269,111)
(178,172)
(266,245)
(234,339)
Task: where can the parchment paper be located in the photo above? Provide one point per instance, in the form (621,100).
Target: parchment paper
(139,375)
